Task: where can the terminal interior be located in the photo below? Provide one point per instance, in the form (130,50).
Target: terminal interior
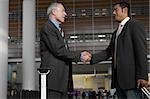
(88,26)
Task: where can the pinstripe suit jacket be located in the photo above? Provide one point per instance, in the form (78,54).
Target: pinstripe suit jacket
(55,56)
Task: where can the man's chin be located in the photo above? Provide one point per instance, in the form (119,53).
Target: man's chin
(62,21)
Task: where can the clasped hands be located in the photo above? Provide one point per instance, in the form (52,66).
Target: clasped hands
(86,56)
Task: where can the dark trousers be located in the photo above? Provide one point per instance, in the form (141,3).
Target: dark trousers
(128,94)
(52,94)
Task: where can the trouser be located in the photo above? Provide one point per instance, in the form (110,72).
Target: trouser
(128,94)
(134,93)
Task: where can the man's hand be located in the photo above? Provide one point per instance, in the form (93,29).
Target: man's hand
(142,83)
(85,56)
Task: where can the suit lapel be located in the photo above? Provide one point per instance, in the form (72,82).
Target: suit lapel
(125,27)
(54,28)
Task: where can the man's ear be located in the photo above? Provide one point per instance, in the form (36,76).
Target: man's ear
(125,10)
(53,11)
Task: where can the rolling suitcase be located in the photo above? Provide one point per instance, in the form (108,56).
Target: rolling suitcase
(145,93)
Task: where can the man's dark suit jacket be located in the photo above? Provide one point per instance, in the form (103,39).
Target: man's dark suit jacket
(56,57)
(131,58)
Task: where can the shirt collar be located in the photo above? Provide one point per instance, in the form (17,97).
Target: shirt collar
(124,21)
(56,23)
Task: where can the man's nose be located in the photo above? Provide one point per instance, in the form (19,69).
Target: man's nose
(65,14)
(114,12)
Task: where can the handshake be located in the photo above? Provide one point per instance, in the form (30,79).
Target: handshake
(85,56)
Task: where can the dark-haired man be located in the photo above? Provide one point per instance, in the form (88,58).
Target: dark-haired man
(129,56)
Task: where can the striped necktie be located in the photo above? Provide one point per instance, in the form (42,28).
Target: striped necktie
(61,31)
(62,34)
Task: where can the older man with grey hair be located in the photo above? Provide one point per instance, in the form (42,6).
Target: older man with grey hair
(55,54)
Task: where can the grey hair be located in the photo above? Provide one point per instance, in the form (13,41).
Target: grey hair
(51,8)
